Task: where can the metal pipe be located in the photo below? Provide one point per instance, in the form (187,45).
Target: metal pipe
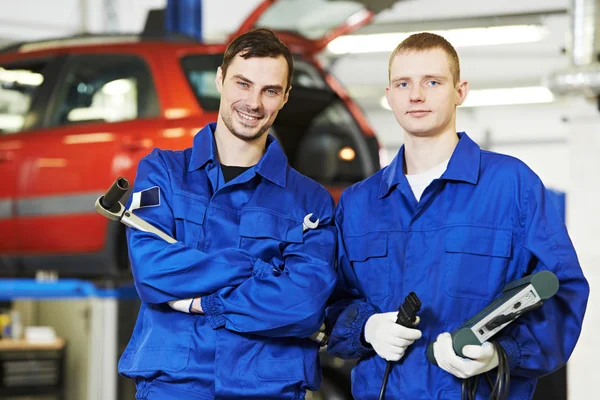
(585,15)
(583,78)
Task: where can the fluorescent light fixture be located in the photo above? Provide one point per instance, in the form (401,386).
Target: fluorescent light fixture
(508,96)
(11,144)
(466,37)
(51,162)
(87,114)
(118,87)
(89,138)
(174,113)
(500,97)
(21,76)
(172,133)
(11,123)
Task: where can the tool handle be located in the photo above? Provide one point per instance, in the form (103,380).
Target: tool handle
(112,196)
(407,312)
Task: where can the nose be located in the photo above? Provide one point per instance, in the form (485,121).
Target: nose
(253,101)
(416,94)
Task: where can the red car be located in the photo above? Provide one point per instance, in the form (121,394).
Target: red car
(76,113)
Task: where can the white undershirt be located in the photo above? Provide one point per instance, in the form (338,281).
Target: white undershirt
(419,182)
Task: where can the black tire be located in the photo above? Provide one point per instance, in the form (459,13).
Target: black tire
(335,386)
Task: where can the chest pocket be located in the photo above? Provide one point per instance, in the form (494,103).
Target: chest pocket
(189,217)
(369,257)
(476,261)
(265,234)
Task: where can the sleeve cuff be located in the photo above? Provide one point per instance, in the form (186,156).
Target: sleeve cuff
(262,269)
(358,343)
(512,350)
(211,306)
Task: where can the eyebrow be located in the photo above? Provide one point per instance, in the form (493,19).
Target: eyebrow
(267,87)
(406,78)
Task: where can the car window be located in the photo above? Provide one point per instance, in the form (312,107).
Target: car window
(310,18)
(201,71)
(19,84)
(106,88)
(321,138)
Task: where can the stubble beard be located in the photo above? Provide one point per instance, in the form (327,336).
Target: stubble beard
(228,121)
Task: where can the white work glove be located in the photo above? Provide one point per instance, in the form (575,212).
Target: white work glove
(188,306)
(389,339)
(481,358)
(182,305)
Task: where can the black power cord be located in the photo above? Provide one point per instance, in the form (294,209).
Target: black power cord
(499,389)
(407,317)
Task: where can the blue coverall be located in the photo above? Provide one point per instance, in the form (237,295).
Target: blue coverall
(486,222)
(264,282)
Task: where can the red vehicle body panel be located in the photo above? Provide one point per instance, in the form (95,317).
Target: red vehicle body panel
(80,161)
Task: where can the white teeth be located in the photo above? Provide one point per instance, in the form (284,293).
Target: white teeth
(249,118)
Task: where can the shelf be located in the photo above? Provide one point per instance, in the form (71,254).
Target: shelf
(27,289)
(24,345)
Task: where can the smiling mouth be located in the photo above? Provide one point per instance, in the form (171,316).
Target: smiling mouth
(248,117)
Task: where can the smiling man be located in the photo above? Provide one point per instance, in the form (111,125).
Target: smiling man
(227,310)
(246,113)
(454,224)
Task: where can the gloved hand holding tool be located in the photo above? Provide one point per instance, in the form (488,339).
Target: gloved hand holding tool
(481,358)
(391,333)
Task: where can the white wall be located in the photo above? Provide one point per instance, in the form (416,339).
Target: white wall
(583,221)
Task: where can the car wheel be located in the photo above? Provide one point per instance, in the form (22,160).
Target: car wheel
(334,387)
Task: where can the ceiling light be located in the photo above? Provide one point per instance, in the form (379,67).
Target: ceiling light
(21,76)
(89,138)
(10,123)
(118,87)
(465,37)
(508,96)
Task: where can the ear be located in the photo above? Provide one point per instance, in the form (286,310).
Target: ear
(219,79)
(462,90)
(285,97)
(387,96)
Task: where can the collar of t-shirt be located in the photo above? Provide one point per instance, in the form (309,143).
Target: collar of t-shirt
(419,182)
(231,172)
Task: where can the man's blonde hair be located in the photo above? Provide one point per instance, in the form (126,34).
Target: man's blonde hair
(428,41)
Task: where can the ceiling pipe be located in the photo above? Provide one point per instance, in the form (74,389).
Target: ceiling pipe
(583,77)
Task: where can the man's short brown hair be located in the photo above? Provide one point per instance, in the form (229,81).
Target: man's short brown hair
(259,42)
(428,41)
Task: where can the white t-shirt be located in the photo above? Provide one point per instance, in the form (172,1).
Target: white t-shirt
(418,183)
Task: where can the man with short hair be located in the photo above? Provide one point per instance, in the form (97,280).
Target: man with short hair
(227,310)
(454,224)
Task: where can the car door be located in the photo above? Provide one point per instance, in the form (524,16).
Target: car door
(97,119)
(25,84)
